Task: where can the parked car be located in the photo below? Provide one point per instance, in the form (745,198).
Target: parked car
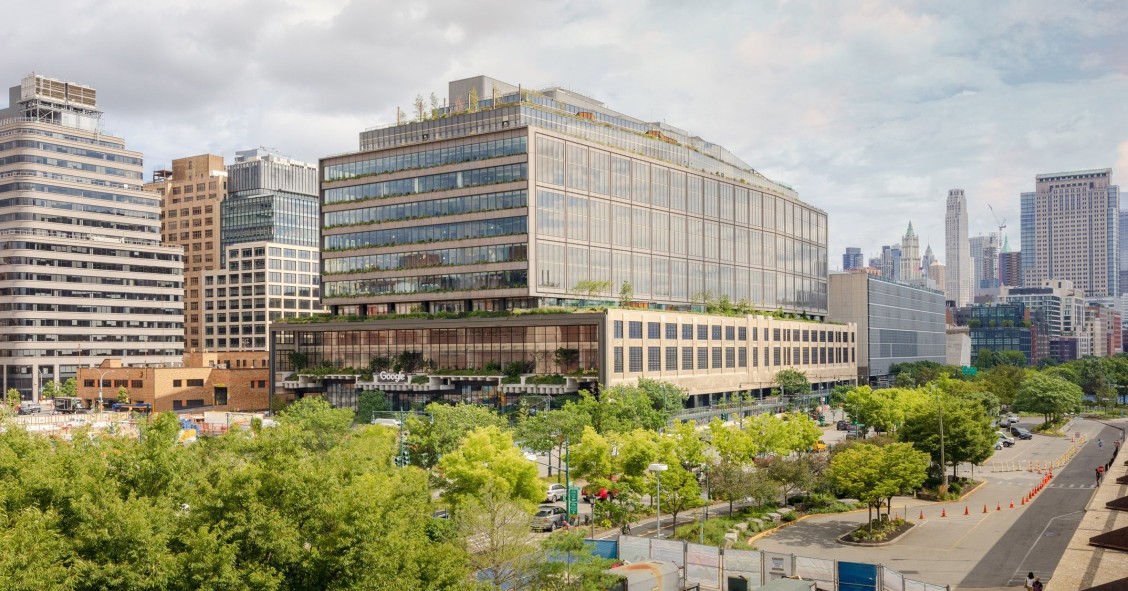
(852,432)
(556,492)
(29,408)
(842,425)
(548,518)
(1012,419)
(1005,438)
(1022,433)
(441,514)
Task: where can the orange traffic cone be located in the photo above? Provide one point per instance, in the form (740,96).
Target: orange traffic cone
(965,510)
(943,513)
(998,507)
(921,514)
(984,507)
(1012,504)
(1023,500)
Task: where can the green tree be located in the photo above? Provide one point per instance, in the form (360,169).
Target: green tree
(968,433)
(554,430)
(626,294)
(500,543)
(11,400)
(592,287)
(874,474)
(1049,396)
(1015,358)
(666,398)
(443,427)
(568,563)
(369,403)
(321,426)
(985,359)
(792,382)
(487,460)
(794,473)
(1004,381)
(70,387)
(122,395)
(51,389)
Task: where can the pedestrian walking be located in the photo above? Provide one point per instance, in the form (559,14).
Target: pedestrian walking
(1100,473)
(1100,444)
(1037,586)
(1029,585)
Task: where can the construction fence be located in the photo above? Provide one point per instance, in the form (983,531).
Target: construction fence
(734,570)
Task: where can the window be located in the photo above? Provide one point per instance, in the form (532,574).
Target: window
(716,333)
(687,358)
(756,357)
(742,357)
(177,383)
(653,330)
(671,331)
(776,357)
(671,358)
(716,357)
(742,334)
(635,329)
(618,334)
(618,360)
(635,359)
(653,359)
(195,383)
(730,357)
(702,332)
(730,333)
(703,358)
(687,331)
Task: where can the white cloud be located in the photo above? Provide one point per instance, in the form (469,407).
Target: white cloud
(871,109)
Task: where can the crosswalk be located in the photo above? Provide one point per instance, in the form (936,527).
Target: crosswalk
(1071,485)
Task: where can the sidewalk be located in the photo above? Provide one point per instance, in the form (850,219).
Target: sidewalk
(1084,566)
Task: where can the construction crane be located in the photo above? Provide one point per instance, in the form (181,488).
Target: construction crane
(1002,224)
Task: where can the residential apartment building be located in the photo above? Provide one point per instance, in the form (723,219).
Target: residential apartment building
(985,263)
(1061,315)
(1076,218)
(262,282)
(271,265)
(897,323)
(1010,266)
(83,275)
(533,199)
(191,197)
(958,279)
(1004,327)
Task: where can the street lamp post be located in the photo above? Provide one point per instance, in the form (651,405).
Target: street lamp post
(658,469)
(705,507)
(101,403)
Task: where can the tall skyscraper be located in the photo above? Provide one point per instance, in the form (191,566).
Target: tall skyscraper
(984,262)
(192,193)
(891,262)
(958,269)
(1010,266)
(84,274)
(1026,237)
(269,226)
(1123,281)
(909,265)
(926,262)
(853,259)
(1076,228)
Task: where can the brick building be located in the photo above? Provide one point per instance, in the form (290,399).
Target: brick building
(234,381)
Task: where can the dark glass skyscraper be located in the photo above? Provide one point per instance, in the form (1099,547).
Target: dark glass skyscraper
(270,199)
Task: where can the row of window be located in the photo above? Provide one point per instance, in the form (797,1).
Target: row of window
(621,177)
(428,283)
(44,292)
(72,150)
(97,140)
(80,221)
(724,357)
(428,158)
(84,193)
(705,332)
(101,252)
(563,268)
(424,209)
(261,303)
(581,219)
(95,280)
(426,184)
(429,233)
(447,257)
(69,351)
(70,165)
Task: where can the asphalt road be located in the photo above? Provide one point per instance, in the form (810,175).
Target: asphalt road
(1038,538)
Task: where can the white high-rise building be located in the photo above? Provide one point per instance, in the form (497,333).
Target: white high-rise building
(958,270)
(910,256)
(84,274)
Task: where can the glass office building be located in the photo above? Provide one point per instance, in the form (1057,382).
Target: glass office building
(271,198)
(529,199)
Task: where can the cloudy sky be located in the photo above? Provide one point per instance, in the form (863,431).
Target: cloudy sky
(871,109)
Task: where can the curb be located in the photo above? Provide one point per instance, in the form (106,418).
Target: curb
(879,544)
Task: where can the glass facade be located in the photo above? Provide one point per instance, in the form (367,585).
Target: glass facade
(428,283)
(430,233)
(428,184)
(446,345)
(287,218)
(426,209)
(426,158)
